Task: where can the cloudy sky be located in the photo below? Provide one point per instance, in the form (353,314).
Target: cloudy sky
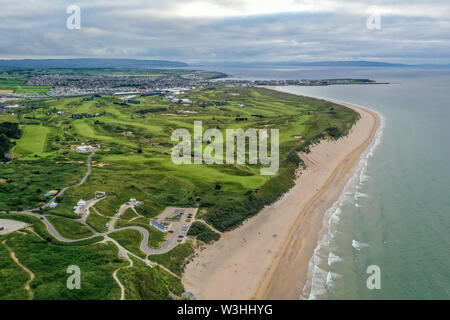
(229,30)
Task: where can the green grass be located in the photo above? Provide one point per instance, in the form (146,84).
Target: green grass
(31,179)
(156,237)
(139,166)
(203,233)
(128,214)
(37,89)
(144,283)
(130,240)
(69,228)
(33,140)
(49,264)
(97,222)
(176,259)
(13,277)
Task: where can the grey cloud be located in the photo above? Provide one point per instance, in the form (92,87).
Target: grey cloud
(135,29)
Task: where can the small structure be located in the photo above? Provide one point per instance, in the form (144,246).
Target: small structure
(100,194)
(52,204)
(79,208)
(51,193)
(157,225)
(86,148)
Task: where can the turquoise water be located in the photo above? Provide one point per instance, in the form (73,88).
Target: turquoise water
(396,212)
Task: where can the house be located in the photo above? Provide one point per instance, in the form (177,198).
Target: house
(86,148)
(52,205)
(158,226)
(77,116)
(79,208)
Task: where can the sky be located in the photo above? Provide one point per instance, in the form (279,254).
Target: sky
(196,31)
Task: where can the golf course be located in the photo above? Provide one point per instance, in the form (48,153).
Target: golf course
(112,242)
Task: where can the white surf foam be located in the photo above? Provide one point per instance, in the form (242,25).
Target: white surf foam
(332,258)
(315,285)
(359,245)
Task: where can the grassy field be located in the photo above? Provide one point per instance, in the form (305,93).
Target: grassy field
(144,283)
(13,277)
(135,162)
(129,239)
(69,228)
(50,262)
(176,259)
(97,221)
(33,141)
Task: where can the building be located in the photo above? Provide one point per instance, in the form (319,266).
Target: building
(100,194)
(52,205)
(157,225)
(79,208)
(86,148)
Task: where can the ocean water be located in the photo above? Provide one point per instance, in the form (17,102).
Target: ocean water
(395,212)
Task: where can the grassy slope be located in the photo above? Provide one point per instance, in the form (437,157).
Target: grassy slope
(49,264)
(129,239)
(69,228)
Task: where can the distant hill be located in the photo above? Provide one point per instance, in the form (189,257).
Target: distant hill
(348,64)
(312,64)
(88,63)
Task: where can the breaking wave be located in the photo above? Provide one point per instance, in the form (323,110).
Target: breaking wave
(319,281)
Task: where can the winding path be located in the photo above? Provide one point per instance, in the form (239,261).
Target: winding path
(31,274)
(122,251)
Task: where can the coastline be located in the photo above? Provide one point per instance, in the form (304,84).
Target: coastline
(285,234)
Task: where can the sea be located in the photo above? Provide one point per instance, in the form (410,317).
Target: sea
(388,235)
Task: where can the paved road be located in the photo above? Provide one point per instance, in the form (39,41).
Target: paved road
(165,247)
(83,180)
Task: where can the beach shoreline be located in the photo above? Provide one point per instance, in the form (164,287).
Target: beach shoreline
(268,256)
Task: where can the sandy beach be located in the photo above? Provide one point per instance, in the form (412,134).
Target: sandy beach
(268,256)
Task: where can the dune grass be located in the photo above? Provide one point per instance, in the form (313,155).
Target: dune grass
(69,228)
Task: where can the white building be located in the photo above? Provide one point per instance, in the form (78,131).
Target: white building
(158,226)
(79,208)
(86,148)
